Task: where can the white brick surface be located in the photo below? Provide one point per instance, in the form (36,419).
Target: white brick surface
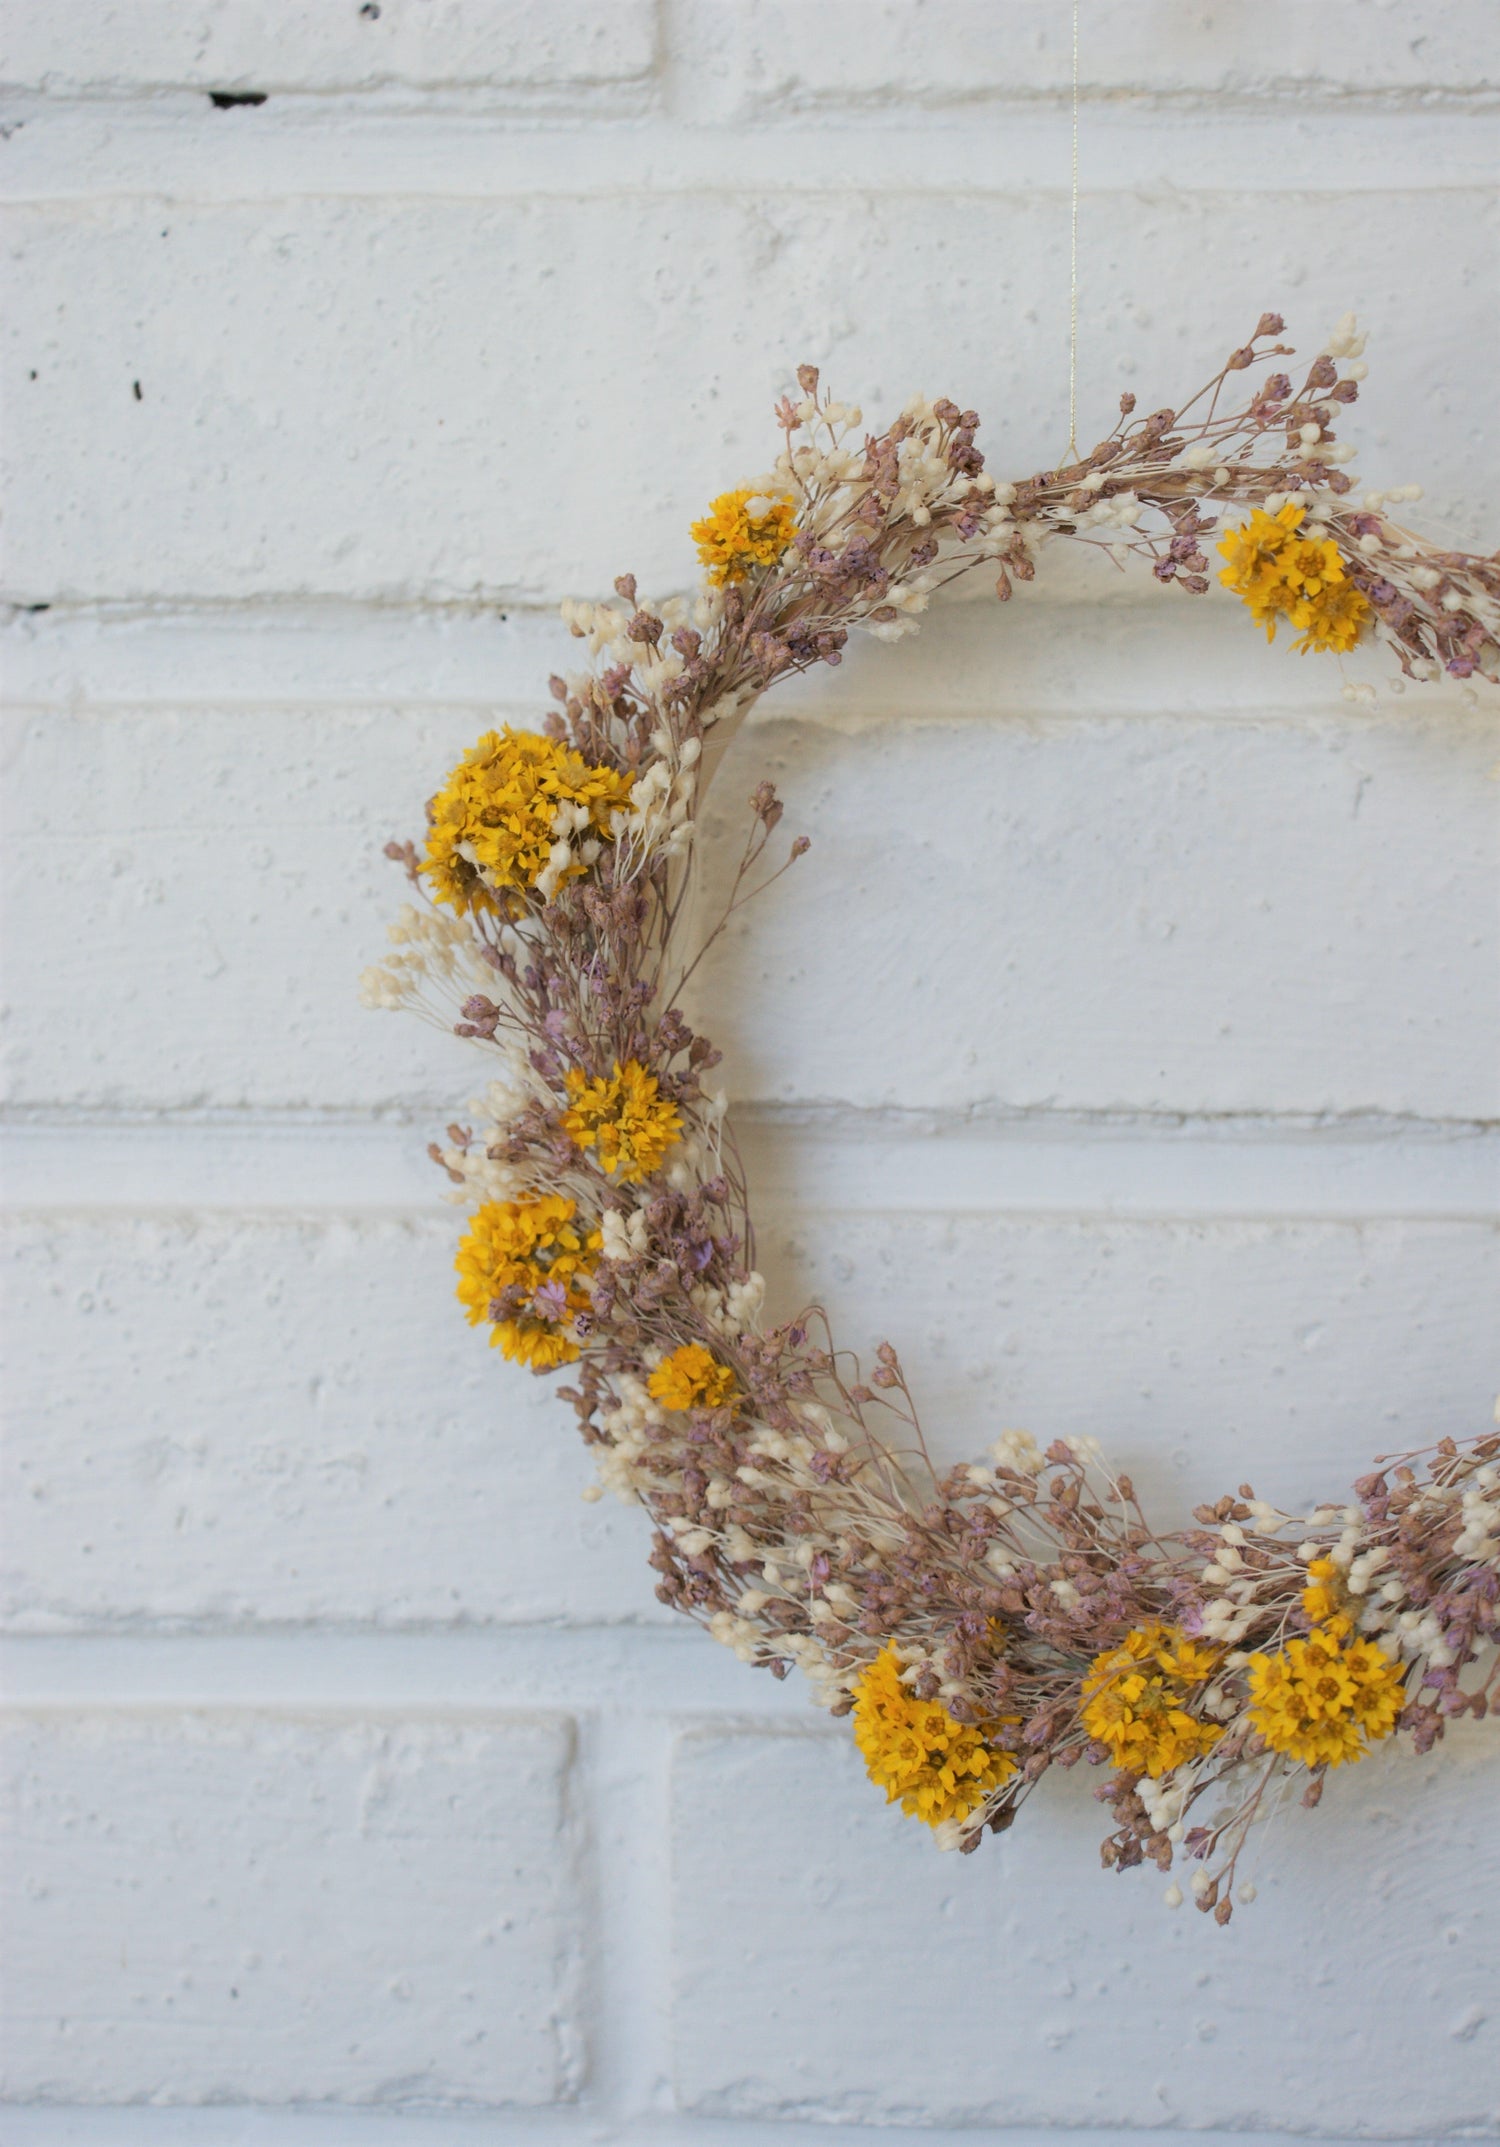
(1054,936)
(764,58)
(217,1907)
(831,1963)
(334,1444)
(1036,914)
(231,912)
(1203,1352)
(302,45)
(362,398)
(883,55)
(284,1422)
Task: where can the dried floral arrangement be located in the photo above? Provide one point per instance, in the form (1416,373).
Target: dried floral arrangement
(986,1623)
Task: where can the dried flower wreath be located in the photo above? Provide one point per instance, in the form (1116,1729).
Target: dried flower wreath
(987,1623)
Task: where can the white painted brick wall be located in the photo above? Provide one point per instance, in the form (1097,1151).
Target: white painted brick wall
(327,1447)
(240,1907)
(1032,1993)
(887,53)
(395,44)
(1063,850)
(1126,1048)
(371,389)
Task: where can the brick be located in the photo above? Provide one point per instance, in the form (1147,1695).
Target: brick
(424,399)
(755,58)
(831,1964)
(897,58)
(246,1421)
(245,987)
(273,1421)
(1035,917)
(219,44)
(227,1907)
(1199,1352)
(1031,913)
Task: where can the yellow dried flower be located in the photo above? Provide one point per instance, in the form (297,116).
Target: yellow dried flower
(624,1118)
(691,1378)
(940,1769)
(1257,571)
(513,796)
(1334,620)
(742,530)
(1325,1699)
(1280,574)
(537,1249)
(1135,1699)
(1322,1599)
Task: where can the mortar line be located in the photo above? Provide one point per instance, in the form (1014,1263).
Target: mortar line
(831,1117)
(248,2125)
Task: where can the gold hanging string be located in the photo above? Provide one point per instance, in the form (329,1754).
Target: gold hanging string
(1073,273)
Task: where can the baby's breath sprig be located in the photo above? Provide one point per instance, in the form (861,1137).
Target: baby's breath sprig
(984,1624)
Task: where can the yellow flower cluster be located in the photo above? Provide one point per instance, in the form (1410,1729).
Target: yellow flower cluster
(624,1118)
(496,820)
(914,1750)
(691,1378)
(1301,579)
(1136,1695)
(742,530)
(537,1247)
(1322,1698)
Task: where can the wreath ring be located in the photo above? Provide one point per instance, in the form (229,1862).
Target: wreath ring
(983,1624)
